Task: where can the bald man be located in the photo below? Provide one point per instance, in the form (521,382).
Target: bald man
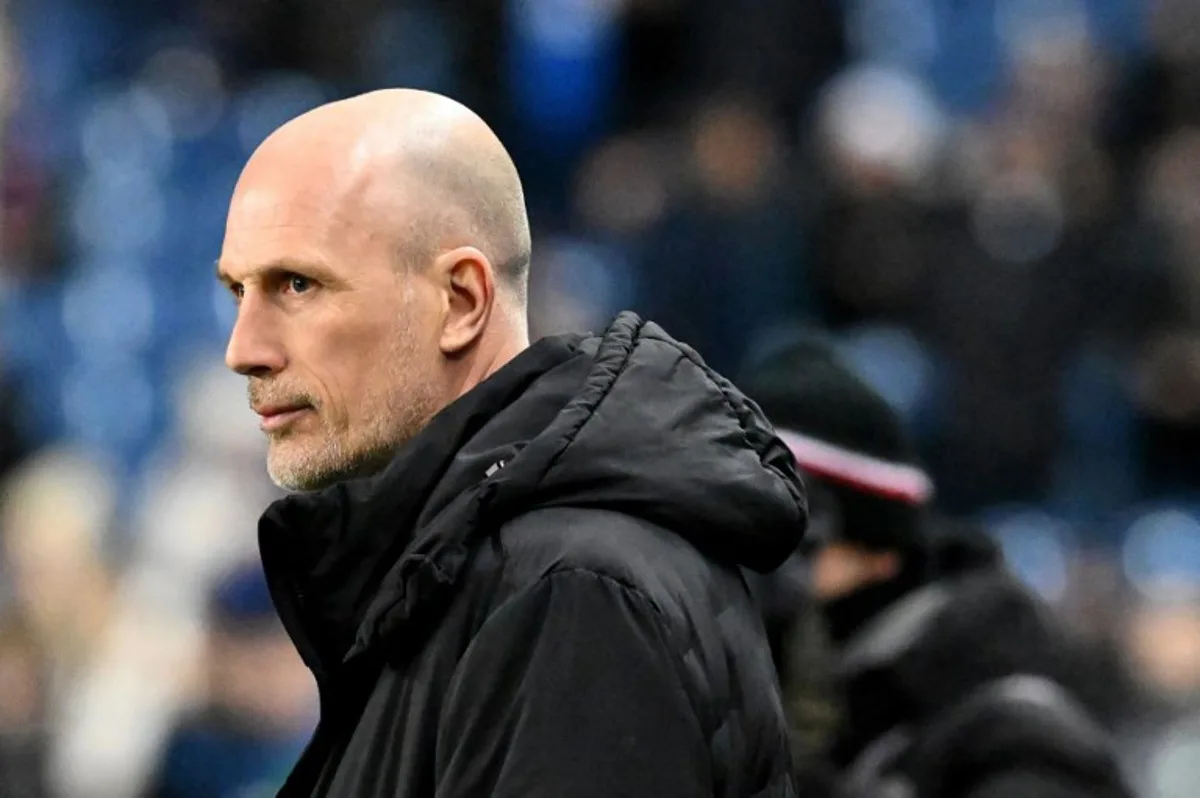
(513,569)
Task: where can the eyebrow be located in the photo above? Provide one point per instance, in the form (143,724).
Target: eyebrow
(314,267)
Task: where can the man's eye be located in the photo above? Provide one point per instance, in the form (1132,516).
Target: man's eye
(298,284)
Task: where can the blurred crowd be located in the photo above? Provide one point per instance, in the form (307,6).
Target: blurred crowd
(992,205)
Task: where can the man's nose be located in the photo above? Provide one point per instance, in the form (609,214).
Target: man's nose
(254,348)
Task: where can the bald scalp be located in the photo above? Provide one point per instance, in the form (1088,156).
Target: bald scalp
(417,167)
(467,196)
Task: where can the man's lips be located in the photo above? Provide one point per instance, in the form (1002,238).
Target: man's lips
(274,417)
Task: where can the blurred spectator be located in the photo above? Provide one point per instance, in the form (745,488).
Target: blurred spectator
(561,70)
(1016,286)
(1161,92)
(1104,674)
(1163,635)
(195,517)
(726,261)
(313,37)
(954,679)
(14,436)
(623,186)
(879,137)
(259,705)
(1169,384)
(31,245)
(1165,642)
(56,518)
(579,285)
(1170,394)
(23,711)
(780,52)
(31,235)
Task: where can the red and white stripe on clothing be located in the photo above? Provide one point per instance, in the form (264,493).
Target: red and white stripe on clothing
(896,481)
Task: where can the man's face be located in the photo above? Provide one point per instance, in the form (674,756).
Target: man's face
(338,341)
(839,569)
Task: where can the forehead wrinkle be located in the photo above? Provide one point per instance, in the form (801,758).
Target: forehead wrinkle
(331,222)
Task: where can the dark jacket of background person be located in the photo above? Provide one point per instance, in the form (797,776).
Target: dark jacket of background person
(23,730)
(540,596)
(959,688)
(951,675)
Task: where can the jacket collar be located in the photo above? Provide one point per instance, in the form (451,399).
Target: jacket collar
(327,554)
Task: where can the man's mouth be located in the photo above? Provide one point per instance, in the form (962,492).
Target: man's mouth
(275,417)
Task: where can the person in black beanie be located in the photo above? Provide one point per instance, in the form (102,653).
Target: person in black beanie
(950,675)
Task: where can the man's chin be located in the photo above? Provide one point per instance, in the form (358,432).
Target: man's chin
(307,477)
(297,473)
(294,482)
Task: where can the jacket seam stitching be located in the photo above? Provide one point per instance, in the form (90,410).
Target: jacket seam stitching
(607,345)
(737,409)
(661,620)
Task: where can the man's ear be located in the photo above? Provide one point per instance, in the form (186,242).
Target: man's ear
(469,282)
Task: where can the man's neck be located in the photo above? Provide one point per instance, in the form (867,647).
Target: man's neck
(491,357)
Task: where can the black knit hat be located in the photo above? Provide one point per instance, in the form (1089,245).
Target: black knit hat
(848,442)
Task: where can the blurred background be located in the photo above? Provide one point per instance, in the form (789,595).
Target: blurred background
(993,206)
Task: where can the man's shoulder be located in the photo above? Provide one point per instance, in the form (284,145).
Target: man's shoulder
(639,554)
(704,606)
(607,542)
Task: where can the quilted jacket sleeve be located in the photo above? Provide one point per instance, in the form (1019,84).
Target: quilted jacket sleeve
(571,688)
(1034,783)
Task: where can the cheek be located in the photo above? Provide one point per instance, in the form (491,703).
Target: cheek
(369,354)
(342,363)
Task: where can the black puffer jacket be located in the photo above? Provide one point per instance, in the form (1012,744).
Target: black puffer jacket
(541,595)
(959,689)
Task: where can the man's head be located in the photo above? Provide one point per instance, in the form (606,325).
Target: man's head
(866,491)
(378,250)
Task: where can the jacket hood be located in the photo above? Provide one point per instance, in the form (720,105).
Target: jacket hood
(631,421)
